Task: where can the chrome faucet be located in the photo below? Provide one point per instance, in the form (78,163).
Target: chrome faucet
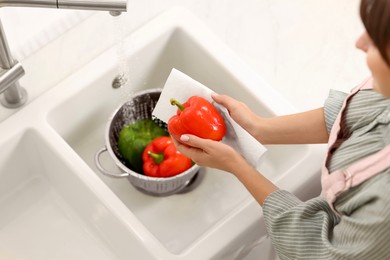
(12,94)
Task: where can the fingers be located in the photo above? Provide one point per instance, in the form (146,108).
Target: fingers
(193,144)
(221,99)
(193,140)
(206,152)
(192,152)
(181,147)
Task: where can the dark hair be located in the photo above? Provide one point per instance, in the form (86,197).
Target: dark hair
(375,15)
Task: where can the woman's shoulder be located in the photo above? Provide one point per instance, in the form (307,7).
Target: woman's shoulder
(368,107)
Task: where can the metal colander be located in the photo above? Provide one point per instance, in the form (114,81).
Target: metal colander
(139,106)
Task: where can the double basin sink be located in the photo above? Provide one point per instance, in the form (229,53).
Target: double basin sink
(54,202)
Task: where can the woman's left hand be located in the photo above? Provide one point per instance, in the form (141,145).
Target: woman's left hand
(214,154)
(209,153)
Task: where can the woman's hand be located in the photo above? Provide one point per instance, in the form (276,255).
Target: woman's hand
(209,153)
(239,111)
(214,154)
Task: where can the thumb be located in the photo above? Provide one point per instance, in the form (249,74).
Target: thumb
(223,100)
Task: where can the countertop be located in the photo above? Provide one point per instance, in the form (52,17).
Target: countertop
(301,48)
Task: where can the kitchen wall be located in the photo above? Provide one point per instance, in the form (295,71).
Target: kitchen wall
(301,47)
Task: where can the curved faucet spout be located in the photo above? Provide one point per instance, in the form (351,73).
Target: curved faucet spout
(28,3)
(98,5)
(13,95)
(106,5)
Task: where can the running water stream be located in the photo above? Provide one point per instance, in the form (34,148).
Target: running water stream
(122,81)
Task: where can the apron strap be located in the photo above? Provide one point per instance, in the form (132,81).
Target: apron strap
(341,180)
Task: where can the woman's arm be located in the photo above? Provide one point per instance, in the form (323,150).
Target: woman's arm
(301,128)
(307,127)
(257,185)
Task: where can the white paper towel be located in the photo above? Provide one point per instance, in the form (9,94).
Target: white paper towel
(182,87)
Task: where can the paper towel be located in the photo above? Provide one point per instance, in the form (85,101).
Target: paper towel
(182,87)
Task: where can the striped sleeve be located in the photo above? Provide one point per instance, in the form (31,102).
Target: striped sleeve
(332,106)
(311,230)
(298,230)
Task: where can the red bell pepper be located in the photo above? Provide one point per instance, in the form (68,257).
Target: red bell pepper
(161,159)
(199,117)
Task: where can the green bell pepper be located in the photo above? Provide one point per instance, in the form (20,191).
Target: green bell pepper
(133,139)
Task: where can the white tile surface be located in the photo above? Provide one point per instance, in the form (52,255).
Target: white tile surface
(29,29)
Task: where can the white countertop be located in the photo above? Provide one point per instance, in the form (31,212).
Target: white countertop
(302,48)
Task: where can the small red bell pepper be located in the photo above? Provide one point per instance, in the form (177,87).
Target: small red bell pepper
(161,159)
(199,117)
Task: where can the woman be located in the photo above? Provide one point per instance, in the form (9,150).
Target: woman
(351,218)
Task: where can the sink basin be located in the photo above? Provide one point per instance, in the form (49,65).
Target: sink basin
(60,186)
(47,211)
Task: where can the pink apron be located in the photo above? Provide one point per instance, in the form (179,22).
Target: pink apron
(341,180)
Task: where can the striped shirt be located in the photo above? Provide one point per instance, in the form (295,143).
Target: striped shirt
(311,230)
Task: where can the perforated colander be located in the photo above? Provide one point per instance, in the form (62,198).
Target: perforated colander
(139,106)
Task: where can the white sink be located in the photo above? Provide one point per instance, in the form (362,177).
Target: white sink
(58,192)
(47,210)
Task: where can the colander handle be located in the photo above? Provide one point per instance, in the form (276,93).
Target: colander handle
(104,171)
